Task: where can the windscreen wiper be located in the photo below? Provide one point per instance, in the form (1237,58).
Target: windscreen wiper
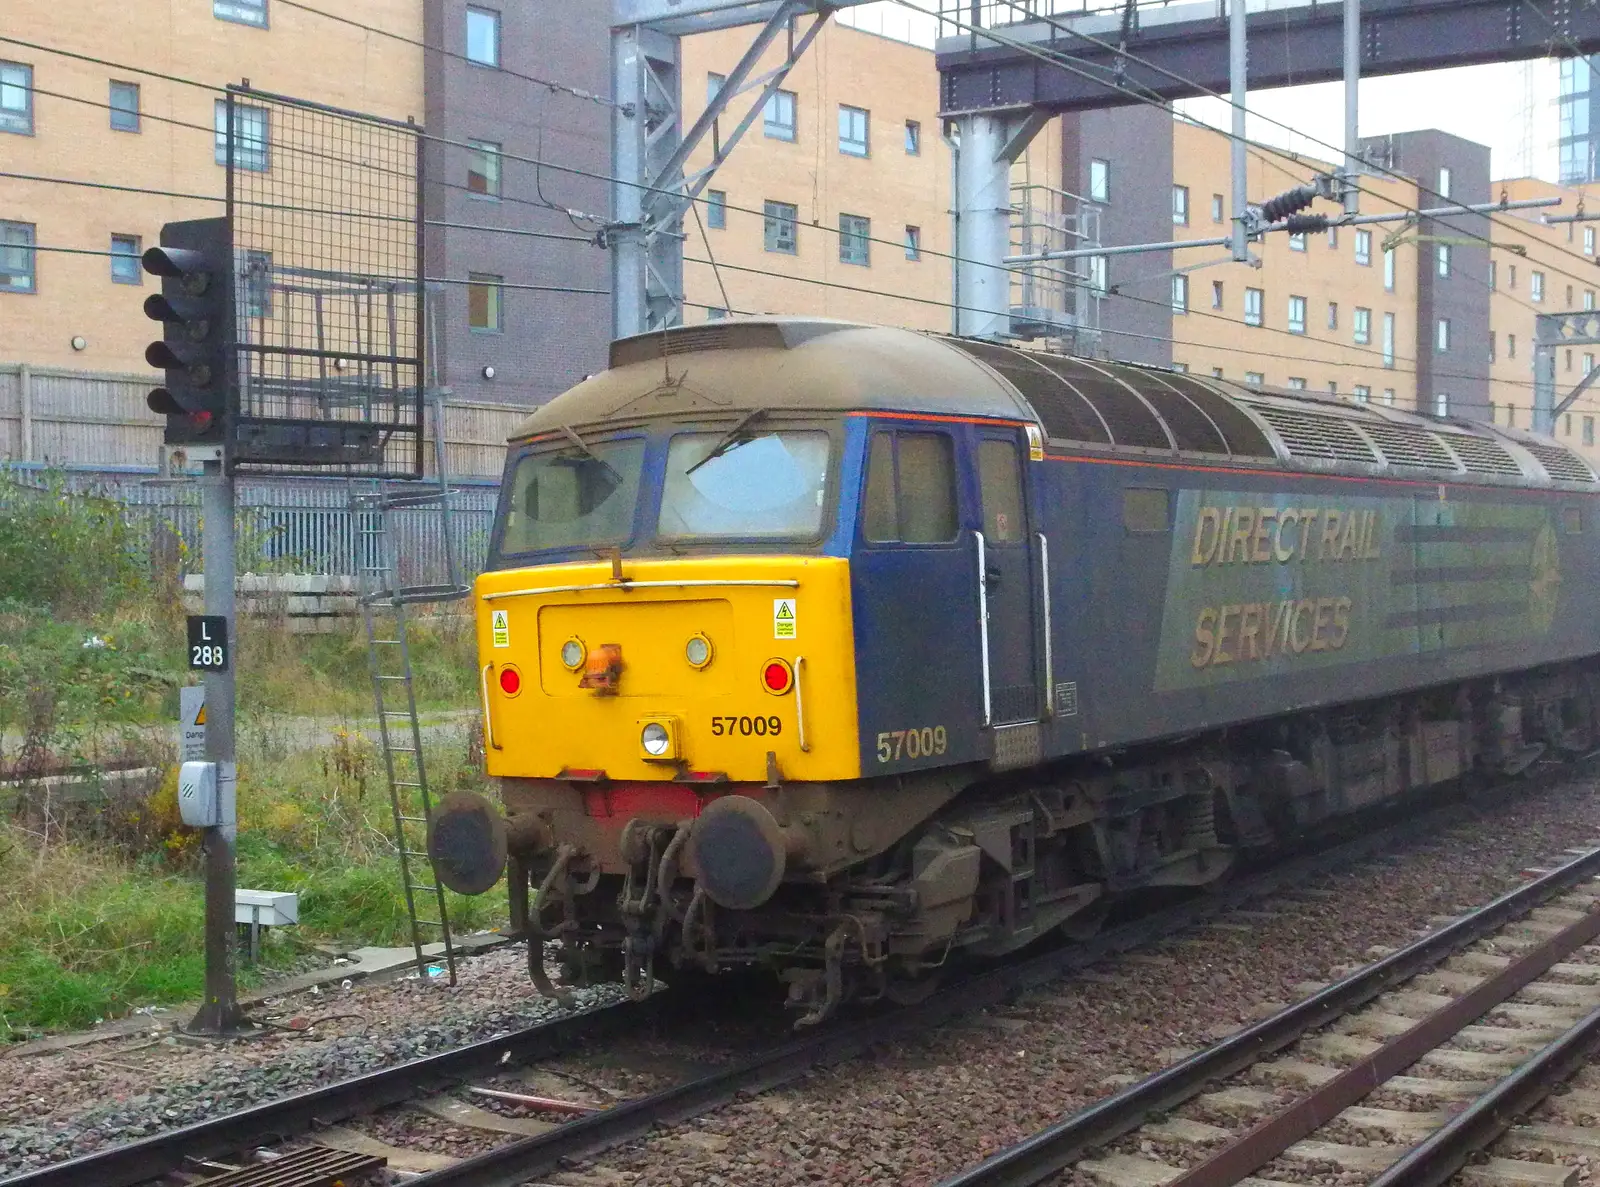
(584,448)
(734,436)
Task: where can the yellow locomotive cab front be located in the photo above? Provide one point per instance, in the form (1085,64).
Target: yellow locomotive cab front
(703,670)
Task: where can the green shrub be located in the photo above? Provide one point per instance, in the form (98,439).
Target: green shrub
(73,553)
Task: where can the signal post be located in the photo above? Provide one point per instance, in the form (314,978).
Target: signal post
(197,354)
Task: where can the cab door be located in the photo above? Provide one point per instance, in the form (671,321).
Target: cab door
(1005,543)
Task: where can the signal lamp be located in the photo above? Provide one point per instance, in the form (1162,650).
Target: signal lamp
(655,739)
(510,680)
(697,651)
(777,677)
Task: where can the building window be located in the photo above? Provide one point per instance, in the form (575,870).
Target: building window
(781,229)
(1362,393)
(1588,241)
(1181,368)
(1333,315)
(1588,363)
(483,168)
(855,240)
(1588,430)
(1180,206)
(1494,276)
(483,302)
(1216,372)
(780,120)
(1216,294)
(1512,284)
(1255,378)
(125,268)
(716,313)
(124,107)
(245,12)
(1297,383)
(1333,238)
(1099,180)
(714,87)
(1388,396)
(1216,208)
(1362,325)
(483,36)
(1297,240)
(717,209)
(1364,248)
(1441,404)
(1297,315)
(1536,286)
(1491,345)
(1333,387)
(1253,300)
(1569,358)
(1588,299)
(1388,340)
(1444,181)
(16,98)
(1388,271)
(852,131)
(1511,346)
(913,243)
(250,137)
(257,283)
(1099,274)
(1180,294)
(1442,256)
(913,138)
(1569,289)
(1441,336)
(1566,424)
(17,258)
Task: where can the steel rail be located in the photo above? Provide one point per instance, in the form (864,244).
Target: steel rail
(1438,1157)
(150,1158)
(519,1161)
(1053,1149)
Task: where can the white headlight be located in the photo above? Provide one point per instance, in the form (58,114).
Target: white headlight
(697,651)
(572,654)
(655,738)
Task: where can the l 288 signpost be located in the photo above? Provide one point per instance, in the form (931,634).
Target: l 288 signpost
(291,345)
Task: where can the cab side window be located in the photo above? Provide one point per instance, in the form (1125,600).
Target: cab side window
(911,489)
(1000,480)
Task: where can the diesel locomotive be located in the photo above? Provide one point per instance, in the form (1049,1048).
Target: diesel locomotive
(847,651)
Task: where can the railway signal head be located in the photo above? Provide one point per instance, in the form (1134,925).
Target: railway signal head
(195,309)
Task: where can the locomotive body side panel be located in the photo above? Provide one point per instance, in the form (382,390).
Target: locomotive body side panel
(1271,593)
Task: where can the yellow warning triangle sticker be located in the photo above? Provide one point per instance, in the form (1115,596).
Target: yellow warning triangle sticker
(200,717)
(785,611)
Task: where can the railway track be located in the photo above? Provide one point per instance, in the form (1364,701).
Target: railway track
(282,1127)
(1282,1101)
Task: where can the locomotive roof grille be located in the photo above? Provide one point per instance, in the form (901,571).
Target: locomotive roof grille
(1560,463)
(1317,436)
(1411,445)
(1482,456)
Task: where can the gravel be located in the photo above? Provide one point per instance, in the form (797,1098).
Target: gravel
(909,1113)
(917,1112)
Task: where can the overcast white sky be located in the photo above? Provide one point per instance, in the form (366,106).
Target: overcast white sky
(1489,104)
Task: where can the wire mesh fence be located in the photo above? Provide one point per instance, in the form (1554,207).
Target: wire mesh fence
(289,526)
(325,209)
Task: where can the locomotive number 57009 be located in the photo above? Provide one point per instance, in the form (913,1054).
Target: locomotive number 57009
(912,743)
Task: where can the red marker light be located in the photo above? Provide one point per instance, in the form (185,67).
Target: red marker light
(510,681)
(777,677)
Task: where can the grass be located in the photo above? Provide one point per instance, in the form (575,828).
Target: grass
(101,904)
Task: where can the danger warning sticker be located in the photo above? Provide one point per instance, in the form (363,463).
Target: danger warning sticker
(783,618)
(500,627)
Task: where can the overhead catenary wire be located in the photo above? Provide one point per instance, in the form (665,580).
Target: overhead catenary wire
(1062,63)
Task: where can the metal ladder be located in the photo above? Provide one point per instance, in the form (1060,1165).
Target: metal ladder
(383,599)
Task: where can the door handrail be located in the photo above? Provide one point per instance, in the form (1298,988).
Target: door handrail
(983,625)
(1049,659)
